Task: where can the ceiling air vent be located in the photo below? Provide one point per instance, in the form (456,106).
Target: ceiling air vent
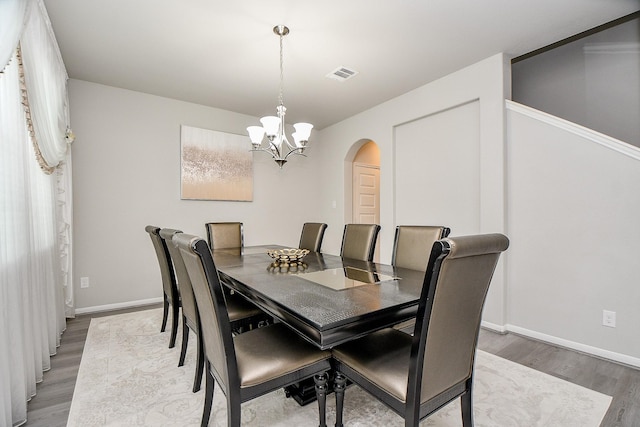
(341,74)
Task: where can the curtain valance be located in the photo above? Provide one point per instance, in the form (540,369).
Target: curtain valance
(45,88)
(12,20)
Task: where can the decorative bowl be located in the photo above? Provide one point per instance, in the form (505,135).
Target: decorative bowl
(286,257)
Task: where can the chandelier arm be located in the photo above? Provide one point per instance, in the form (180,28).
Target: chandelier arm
(266,150)
(273,148)
(291,147)
(297,152)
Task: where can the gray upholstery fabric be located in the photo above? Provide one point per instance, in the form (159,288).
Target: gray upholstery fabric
(456,283)
(463,282)
(411,249)
(311,237)
(166,268)
(271,352)
(253,358)
(223,235)
(359,241)
(240,308)
(382,357)
(211,333)
(184,284)
(412,245)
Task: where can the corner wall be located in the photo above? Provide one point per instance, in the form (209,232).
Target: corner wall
(486,83)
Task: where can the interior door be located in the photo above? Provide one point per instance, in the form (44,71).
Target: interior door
(366,194)
(366,197)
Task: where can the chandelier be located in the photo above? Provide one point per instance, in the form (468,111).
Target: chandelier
(276,142)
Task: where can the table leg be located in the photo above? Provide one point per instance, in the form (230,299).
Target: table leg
(321,393)
(339,384)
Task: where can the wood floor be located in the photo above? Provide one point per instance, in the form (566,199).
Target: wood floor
(50,407)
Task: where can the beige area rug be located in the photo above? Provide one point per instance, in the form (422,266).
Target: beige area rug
(128,376)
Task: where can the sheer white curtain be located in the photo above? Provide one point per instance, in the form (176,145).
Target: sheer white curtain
(32,301)
(45,80)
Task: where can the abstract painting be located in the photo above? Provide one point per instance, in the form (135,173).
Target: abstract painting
(215,165)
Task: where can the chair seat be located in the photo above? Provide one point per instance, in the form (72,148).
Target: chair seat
(407,326)
(382,357)
(239,308)
(273,351)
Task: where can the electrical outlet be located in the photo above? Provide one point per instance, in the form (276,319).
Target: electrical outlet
(609,318)
(84,282)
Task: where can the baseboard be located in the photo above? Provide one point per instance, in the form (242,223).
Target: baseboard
(583,348)
(501,329)
(118,305)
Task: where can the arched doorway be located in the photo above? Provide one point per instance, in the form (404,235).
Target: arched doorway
(365,186)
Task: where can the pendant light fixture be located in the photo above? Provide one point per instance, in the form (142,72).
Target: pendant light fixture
(273,127)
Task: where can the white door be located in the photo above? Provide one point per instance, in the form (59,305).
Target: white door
(366,194)
(366,197)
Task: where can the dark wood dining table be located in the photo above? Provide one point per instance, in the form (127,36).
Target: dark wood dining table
(328,300)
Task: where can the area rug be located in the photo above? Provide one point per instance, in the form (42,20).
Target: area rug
(129,377)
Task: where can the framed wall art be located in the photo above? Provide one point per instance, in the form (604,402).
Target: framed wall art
(215,165)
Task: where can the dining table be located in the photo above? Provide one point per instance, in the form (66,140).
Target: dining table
(328,300)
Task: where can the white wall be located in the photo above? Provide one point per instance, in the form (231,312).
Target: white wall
(446,150)
(573,209)
(126,161)
(483,85)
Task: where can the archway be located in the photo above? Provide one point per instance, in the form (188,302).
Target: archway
(362,200)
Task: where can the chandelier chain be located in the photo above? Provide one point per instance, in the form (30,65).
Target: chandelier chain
(281,96)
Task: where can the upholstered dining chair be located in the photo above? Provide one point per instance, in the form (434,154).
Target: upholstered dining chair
(311,236)
(223,235)
(412,245)
(241,312)
(411,248)
(251,364)
(359,241)
(171,296)
(189,309)
(417,375)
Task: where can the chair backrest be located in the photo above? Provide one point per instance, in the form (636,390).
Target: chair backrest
(448,319)
(223,235)
(311,237)
(215,328)
(169,284)
(412,245)
(359,241)
(187,299)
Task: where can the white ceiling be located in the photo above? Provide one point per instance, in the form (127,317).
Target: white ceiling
(224,53)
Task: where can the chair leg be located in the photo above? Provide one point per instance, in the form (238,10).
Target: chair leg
(321,395)
(199,366)
(185,341)
(339,384)
(165,313)
(233,411)
(467,409)
(208,397)
(174,325)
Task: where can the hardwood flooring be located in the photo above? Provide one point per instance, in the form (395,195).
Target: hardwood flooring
(613,379)
(50,407)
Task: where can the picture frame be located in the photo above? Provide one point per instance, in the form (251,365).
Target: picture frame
(215,165)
